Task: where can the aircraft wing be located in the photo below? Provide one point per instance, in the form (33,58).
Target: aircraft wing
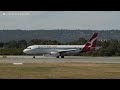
(65,51)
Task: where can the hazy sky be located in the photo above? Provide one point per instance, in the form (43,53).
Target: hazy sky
(96,20)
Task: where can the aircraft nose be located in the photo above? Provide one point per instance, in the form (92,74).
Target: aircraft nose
(25,51)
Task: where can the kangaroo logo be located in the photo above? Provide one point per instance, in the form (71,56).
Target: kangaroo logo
(91,42)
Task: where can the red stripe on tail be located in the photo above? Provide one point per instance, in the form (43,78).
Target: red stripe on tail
(91,43)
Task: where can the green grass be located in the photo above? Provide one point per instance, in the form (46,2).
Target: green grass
(60,70)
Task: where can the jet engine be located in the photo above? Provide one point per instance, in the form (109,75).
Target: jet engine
(54,54)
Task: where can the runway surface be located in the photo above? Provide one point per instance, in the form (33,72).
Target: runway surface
(40,59)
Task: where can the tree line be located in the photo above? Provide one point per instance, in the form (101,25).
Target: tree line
(108,48)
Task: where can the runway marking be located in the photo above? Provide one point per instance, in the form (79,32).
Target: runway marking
(17,63)
(40,59)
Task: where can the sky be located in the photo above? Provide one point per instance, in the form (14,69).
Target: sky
(83,20)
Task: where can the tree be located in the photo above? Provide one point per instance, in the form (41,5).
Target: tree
(22,44)
(1,44)
(11,44)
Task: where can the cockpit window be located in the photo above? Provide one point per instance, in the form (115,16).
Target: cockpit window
(28,48)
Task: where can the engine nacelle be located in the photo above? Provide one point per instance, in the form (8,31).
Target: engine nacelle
(54,54)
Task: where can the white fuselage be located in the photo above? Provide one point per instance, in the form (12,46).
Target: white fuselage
(46,49)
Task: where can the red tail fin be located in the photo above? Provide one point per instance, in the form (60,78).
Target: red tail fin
(91,43)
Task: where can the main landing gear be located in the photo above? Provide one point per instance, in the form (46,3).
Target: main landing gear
(58,56)
(62,56)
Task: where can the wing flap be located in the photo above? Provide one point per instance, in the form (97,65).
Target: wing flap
(68,50)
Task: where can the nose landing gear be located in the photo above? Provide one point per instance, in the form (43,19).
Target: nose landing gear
(33,56)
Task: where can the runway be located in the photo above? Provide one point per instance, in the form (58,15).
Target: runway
(40,59)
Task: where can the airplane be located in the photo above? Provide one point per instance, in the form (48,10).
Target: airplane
(61,50)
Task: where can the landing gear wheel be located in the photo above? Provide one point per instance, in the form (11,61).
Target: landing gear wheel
(33,56)
(57,57)
(62,56)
